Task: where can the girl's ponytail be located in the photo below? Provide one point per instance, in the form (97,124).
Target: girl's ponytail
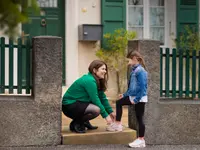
(138,56)
(141,61)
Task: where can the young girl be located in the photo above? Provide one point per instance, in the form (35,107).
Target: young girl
(85,98)
(136,94)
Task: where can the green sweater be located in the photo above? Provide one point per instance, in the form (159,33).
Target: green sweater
(85,89)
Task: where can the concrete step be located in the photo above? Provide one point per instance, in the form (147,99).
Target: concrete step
(99,136)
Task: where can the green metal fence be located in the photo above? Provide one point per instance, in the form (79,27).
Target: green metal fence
(15,66)
(179,73)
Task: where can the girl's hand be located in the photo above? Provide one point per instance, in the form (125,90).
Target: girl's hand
(120,96)
(113,116)
(108,119)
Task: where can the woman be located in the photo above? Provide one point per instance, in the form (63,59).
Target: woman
(136,94)
(85,98)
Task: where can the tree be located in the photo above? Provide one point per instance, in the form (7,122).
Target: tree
(114,54)
(13,12)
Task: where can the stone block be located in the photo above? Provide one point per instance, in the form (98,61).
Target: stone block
(36,120)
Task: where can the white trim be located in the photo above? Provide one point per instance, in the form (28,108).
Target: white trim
(139,6)
(146,21)
(170,23)
(135,26)
(127,14)
(72,10)
(167,26)
(158,6)
(157,26)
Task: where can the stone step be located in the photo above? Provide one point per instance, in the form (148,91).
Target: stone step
(99,136)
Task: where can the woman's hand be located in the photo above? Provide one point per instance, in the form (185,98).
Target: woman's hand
(120,96)
(113,116)
(108,119)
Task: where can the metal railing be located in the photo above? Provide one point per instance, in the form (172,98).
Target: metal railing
(179,73)
(15,66)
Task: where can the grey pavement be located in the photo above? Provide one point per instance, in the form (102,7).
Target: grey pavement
(106,147)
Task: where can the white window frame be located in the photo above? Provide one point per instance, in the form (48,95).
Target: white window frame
(146,19)
(48,4)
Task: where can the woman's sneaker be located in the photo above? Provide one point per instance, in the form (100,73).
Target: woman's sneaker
(137,143)
(114,127)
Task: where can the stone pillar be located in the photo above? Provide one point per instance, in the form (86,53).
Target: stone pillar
(150,51)
(36,120)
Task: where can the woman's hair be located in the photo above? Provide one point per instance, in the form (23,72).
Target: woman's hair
(138,57)
(101,83)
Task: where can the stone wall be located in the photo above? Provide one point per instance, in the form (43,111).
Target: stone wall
(36,120)
(168,121)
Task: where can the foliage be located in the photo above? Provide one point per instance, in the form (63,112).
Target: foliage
(13,12)
(114,54)
(189,39)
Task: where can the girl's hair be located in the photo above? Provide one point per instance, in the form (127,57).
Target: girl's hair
(101,83)
(138,57)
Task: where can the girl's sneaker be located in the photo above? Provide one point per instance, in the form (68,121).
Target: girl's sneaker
(137,143)
(114,127)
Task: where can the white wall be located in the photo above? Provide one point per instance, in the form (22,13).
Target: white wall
(71,40)
(80,54)
(89,13)
(170,22)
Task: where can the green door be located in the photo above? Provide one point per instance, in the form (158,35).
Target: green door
(187,15)
(50,21)
(113,16)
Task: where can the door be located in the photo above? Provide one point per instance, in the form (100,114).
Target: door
(50,21)
(187,15)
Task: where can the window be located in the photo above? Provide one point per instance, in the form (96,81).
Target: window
(157,22)
(47,3)
(136,16)
(152,12)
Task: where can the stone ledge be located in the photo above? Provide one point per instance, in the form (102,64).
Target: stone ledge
(99,136)
(178,101)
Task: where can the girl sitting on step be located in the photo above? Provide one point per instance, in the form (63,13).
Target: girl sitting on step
(136,95)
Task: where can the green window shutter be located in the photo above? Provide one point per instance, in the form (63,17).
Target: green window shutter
(187,14)
(113,15)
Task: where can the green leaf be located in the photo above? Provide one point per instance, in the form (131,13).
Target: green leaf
(115,53)
(14,12)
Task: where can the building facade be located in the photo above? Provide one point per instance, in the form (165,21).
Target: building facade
(160,20)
